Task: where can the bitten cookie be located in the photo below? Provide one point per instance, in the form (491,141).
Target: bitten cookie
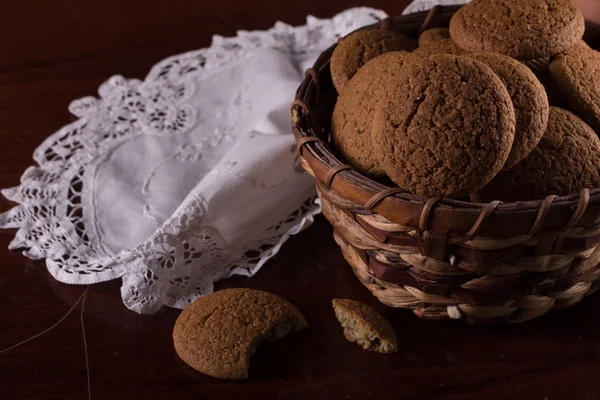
(529,100)
(577,73)
(365,326)
(217,334)
(437,41)
(358,48)
(566,160)
(351,123)
(446,127)
(522,29)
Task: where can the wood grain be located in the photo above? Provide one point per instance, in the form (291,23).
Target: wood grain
(53,52)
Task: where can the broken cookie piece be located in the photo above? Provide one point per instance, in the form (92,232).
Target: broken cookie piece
(365,326)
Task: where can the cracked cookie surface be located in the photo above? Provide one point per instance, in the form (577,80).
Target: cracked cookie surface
(359,47)
(529,101)
(522,29)
(566,160)
(446,126)
(352,119)
(437,41)
(218,333)
(577,72)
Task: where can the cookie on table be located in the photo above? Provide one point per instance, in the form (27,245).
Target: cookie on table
(522,29)
(529,100)
(566,160)
(365,326)
(359,47)
(446,127)
(217,334)
(437,41)
(351,122)
(577,73)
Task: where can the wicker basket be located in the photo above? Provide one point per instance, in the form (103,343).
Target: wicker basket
(443,258)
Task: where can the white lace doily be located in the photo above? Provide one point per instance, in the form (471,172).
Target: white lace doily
(182,179)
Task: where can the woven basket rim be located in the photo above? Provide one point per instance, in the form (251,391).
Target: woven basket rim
(359,189)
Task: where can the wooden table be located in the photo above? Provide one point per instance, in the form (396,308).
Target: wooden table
(54,51)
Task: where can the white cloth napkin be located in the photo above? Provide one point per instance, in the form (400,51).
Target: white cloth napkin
(182,179)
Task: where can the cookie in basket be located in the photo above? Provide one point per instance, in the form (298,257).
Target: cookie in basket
(581,45)
(351,122)
(437,41)
(365,326)
(541,68)
(446,126)
(522,29)
(566,160)
(529,100)
(217,334)
(359,47)
(577,72)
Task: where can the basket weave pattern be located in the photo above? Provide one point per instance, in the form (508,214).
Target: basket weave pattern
(443,258)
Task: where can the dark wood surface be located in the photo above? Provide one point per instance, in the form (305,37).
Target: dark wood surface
(54,51)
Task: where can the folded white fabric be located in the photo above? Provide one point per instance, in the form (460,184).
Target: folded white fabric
(182,179)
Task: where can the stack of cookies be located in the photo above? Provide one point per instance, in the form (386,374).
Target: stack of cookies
(502,105)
